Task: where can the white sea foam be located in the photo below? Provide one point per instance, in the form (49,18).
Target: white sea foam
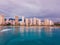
(5,30)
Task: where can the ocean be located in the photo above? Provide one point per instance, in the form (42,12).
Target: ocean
(34,35)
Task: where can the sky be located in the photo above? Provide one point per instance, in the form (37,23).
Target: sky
(31,8)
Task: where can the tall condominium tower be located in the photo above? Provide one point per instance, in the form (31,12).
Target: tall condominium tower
(30,21)
(38,22)
(16,20)
(34,21)
(2,21)
(26,21)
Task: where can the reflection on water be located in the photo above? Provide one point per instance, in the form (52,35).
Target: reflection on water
(48,30)
(34,35)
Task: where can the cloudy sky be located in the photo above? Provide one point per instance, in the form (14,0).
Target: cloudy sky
(31,8)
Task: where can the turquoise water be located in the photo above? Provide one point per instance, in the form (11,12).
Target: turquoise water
(29,35)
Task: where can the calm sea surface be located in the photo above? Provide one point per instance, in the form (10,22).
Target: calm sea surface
(29,35)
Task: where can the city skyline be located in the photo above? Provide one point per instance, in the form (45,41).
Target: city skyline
(31,8)
(20,17)
(25,21)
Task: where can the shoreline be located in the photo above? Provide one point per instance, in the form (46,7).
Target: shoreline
(31,26)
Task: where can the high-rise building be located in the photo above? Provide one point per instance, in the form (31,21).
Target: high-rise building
(51,22)
(22,21)
(26,21)
(34,21)
(46,22)
(38,22)
(2,21)
(30,21)
(13,22)
(16,20)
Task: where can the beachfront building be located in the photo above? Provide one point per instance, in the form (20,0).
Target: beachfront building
(34,21)
(51,22)
(13,22)
(16,20)
(38,22)
(21,21)
(46,22)
(2,20)
(10,21)
(30,22)
(7,21)
(42,23)
(26,21)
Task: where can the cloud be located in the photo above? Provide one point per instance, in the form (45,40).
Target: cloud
(30,8)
